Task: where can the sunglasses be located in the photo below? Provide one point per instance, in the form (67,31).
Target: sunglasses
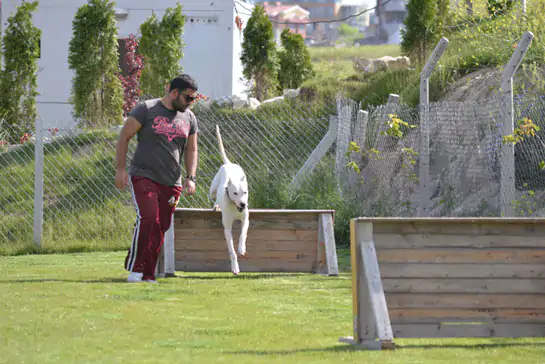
(188,98)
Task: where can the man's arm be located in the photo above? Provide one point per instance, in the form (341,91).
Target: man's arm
(191,155)
(129,130)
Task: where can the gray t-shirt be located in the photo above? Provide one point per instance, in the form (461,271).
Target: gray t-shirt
(161,142)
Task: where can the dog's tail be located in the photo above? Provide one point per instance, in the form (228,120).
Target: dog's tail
(222,150)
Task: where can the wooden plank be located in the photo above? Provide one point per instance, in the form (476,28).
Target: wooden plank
(320,256)
(468,331)
(167,251)
(196,223)
(462,255)
(355,263)
(262,265)
(377,310)
(450,220)
(462,239)
(461,285)
(456,226)
(254,214)
(330,248)
(466,301)
(254,245)
(458,270)
(260,235)
(187,210)
(492,315)
(251,255)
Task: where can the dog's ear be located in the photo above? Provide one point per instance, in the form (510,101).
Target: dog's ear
(242,178)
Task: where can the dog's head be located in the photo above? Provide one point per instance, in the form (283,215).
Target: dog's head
(237,190)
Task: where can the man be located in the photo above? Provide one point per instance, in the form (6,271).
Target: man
(166,131)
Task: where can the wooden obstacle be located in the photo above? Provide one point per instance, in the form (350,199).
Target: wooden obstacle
(446,278)
(278,241)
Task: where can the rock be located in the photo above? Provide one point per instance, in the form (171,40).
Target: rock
(361,63)
(273,100)
(253,103)
(239,102)
(381,64)
(291,93)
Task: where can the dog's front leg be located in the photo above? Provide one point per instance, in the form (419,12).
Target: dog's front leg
(228,231)
(243,232)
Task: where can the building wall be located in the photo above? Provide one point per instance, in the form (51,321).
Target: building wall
(211,53)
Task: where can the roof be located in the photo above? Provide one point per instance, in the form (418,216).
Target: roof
(280,10)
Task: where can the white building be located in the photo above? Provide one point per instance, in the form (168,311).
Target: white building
(211,53)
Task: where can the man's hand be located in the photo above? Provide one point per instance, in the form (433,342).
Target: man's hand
(121,179)
(188,187)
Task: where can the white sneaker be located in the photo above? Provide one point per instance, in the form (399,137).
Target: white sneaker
(135,277)
(151,281)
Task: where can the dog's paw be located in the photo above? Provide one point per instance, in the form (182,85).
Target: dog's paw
(241,250)
(216,208)
(235,268)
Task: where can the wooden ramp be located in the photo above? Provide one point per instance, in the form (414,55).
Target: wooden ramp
(447,277)
(278,241)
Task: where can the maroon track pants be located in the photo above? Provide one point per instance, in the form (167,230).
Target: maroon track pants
(154,204)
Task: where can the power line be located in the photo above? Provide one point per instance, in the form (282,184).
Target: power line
(315,21)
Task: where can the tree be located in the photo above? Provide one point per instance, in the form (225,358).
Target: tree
(161,45)
(420,31)
(18,81)
(131,82)
(97,93)
(295,63)
(259,57)
(346,30)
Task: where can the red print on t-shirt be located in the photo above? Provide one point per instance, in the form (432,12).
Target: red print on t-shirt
(177,129)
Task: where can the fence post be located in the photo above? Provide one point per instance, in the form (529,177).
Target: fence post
(361,130)
(424,162)
(316,156)
(343,141)
(391,105)
(39,181)
(507,170)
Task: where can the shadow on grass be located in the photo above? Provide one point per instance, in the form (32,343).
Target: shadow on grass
(331,349)
(45,280)
(163,280)
(470,346)
(350,348)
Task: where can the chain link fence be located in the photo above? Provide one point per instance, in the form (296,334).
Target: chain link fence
(465,142)
(82,207)
(358,162)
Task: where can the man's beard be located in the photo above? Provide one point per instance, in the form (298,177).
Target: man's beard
(179,107)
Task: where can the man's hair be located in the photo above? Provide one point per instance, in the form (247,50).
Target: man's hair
(183,82)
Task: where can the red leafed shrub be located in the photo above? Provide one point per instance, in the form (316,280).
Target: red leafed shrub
(131,83)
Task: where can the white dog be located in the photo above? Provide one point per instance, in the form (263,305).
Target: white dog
(229,190)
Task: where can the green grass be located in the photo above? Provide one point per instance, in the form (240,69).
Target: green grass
(335,71)
(77,308)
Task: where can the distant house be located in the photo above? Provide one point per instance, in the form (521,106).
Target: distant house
(211,54)
(292,17)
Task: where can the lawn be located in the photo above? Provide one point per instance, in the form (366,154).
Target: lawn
(77,308)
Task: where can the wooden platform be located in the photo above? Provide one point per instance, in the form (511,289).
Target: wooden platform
(278,241)
(447,277)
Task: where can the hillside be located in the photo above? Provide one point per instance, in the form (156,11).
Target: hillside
(479,47)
